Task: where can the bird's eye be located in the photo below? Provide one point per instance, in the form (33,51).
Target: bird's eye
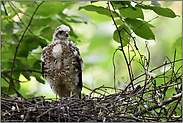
(60,32)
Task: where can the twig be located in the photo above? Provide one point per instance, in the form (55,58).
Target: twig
(174,109)
(27,70)
(18,93)
(144,24)
(94,90)
(91,90)
(11,80)
(54,108)
(114,75)
(167,101)
(4,8)
(121,46)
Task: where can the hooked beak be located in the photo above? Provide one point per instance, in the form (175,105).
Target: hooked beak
(67,34)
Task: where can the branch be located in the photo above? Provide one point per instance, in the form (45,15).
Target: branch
(26,70)
(94,90)
(91,90)
(167,101)
(174,109)
(19,94)
(4,8)
(121,46)
(11,80)
(114,68)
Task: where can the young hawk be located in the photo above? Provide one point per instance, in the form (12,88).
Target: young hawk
(62,64)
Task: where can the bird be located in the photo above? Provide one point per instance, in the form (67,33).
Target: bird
(62,64)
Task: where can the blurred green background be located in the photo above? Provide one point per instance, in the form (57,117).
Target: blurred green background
(97,46)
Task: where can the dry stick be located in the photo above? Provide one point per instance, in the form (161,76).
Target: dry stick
(114,76)
(129,59)
(174,109)
(137,47)
(37,118)
(26,70)
(91,90)
(129,72)
(11,80)
(167,101)
(173,67)
(94,90)
(146,70)
(12,87)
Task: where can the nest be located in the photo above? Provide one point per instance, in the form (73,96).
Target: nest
(143,104)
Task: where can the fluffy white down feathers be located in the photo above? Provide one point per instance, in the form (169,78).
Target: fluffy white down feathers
(62,64)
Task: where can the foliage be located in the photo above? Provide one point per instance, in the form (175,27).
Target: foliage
(27,27)
(15,18)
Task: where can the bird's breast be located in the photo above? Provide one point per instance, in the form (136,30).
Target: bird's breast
(57,51)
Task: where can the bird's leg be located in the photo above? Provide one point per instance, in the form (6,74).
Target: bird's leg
(56,96)
(70,93)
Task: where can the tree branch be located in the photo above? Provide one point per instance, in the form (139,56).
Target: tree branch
(121,46)
(11,80)
(167,101)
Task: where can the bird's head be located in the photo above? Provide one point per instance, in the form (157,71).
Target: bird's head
(61,33)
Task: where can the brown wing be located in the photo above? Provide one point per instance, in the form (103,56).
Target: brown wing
(42,65)
(79,67)
(43,61)
(78,60)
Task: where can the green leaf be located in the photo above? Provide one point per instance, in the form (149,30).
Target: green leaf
(50,8)
(17,86)
(23,51)
(13,28)
(47,33)
(26,75)
(178,46)
(119,4)
(98,9)
(37,64)
(133,13)
(19,65)
(148,24)
(7,53)
(166,12)
(41,22)
(4,89)
(16,74)
(118,21)
(143,6)
(28,44)
(94,1)
(76,19)
(38,78)
(140,29)
(42,42)
(124,35)
(26,2)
